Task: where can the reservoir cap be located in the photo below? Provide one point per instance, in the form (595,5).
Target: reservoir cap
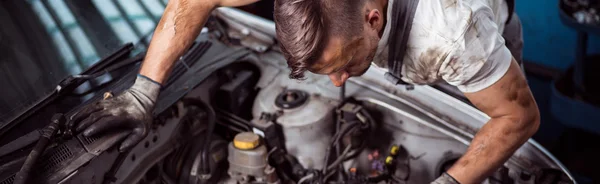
(246,141)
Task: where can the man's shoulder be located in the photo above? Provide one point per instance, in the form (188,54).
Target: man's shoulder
(445,44)
(446,18)
(452,18)
(441,36)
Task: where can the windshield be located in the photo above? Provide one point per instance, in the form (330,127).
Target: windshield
(42,42)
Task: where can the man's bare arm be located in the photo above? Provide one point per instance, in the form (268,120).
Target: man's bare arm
(514,119)
(180,24)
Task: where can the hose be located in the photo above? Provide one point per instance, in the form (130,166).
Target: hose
(338,137)
(335,144)
(205,166)
(335,163)
(48,132)
(340,158)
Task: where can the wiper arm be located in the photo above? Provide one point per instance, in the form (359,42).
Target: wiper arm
(109,60)
(70,83)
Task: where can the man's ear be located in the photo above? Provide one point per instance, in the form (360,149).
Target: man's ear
(374,19)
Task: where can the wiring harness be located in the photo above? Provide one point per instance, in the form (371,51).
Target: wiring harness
(352,123)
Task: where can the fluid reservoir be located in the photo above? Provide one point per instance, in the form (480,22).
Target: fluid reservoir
(306,119)
(247,157)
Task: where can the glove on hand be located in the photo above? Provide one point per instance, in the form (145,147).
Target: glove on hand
(129,111)
(445,179)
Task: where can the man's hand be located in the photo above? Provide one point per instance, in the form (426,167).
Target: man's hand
(180,24)
(514,119)
(129,111)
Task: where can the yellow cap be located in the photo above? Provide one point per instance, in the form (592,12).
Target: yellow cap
(394,150)
(246,141)
(389,160)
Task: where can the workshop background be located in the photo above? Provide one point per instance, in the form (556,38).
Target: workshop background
(554,49)
(561,61)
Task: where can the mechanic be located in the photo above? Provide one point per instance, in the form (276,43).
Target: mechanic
(474,45)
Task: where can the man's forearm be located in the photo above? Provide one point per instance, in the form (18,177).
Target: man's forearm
(180,24)
(495,142)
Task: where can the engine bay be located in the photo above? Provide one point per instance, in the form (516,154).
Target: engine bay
(306,133)
(245,121)
(311,132)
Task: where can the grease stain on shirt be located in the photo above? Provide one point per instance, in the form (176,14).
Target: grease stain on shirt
(426,68)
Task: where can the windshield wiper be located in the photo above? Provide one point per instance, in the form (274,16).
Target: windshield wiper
(69,84)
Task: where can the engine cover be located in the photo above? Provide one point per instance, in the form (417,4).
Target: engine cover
(307,121)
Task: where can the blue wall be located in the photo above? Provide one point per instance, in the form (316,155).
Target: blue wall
(547,40)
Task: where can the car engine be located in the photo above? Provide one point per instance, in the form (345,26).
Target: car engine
(247,123)
(236,118)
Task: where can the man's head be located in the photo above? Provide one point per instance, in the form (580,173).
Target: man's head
(337,38)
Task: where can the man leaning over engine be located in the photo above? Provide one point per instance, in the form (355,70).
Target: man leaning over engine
(474,45)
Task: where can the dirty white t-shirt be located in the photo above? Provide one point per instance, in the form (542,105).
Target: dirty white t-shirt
(458,41)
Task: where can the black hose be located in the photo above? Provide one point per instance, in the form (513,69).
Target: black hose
(205,166)
(339,160)
(206,146)
(47,133)
(337,138)
(337,163)
(336,144)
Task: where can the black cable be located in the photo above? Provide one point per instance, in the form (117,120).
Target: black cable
(357,151)
(337,163)
(234,119)
(58,120)
(109,177)
(337,138)
(205,166)
(335,143)
(339,160)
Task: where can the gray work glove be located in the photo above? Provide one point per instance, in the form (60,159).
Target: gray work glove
(445,178)
(129,111)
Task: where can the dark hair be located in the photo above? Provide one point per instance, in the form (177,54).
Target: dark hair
(304,26)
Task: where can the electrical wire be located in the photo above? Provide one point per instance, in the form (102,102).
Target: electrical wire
(233,118)
(330,169)
(305,178)
(328,176)
(356,152)
(344,132)
(336,142)
(340,159)
(270,153)
(228,120)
